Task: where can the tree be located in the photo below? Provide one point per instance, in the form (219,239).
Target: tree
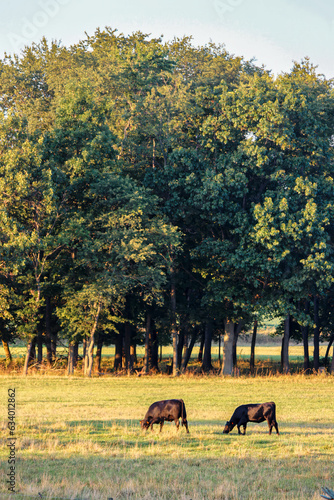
(295,216)
(136,172)
(122,252)
(6,332)
(29,220)
(117,236)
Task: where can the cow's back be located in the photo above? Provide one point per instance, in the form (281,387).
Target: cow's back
(258,412)
(165,408)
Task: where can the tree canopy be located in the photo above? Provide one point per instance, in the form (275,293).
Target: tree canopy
(154,190)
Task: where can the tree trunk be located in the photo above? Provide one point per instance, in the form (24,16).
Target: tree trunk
(154,348)
(316,335)
(180,346)
(228,348)
(75,354)
(237,330)
(90,349)
(7,353)
(147,343)
(118,351)
(127,342)
(331,340)
(98,355)
(48,330)
(285,345)
(133,353)
(54,345)
(252,356)
(207,365)
(188,351)
(331,370)
(39,349)
(28,356)
(201,349)
(305,332)
(173,325)
(220,348)
(32,356)
(306,362)
(48,351)
(70,359)
(50,337)
(84,356)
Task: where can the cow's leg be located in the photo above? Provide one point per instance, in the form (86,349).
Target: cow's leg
(154,421)
(185,423)
(161,424)
(177,423)
(271,424)
(276,426)
(239,431)
(243,423)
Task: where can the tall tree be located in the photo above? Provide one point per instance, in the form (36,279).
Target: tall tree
(294,217)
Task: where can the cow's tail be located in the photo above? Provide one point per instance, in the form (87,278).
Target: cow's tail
(183,411)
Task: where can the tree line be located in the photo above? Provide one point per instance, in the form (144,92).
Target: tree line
(158,192)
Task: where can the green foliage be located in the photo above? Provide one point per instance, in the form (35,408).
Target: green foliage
(129,165)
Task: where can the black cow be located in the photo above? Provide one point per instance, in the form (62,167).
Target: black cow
(252,413)
(169,410)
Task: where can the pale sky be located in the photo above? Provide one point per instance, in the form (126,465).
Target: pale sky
(274,32)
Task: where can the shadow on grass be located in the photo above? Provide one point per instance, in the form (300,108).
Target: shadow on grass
(284,427)
(127,433)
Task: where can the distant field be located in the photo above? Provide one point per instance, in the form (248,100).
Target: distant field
(80,439)
(261,351)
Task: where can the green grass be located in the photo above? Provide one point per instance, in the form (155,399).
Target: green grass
(81,439)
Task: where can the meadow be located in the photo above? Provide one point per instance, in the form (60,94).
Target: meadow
(80,438)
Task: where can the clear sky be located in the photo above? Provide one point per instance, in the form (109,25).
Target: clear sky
(274,32)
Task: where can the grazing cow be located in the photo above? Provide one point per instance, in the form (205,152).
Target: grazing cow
(252,413)
(169,410)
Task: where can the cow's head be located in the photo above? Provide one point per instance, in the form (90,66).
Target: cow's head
(228,427)
(144,424)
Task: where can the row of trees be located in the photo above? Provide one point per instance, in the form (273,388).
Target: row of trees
(156,192)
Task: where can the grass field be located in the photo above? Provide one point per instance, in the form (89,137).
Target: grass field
(81,439)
